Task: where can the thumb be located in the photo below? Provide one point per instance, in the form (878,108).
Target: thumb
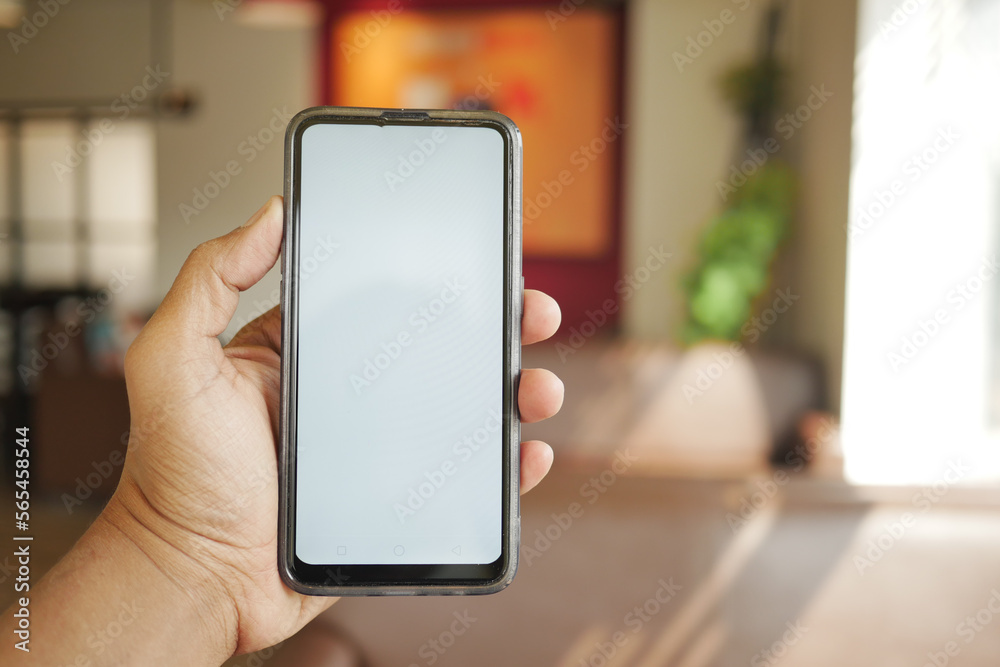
(205,293)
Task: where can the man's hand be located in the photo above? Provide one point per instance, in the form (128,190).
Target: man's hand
(199,490)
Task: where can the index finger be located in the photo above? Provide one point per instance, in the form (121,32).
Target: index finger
(541,317)
(539,321)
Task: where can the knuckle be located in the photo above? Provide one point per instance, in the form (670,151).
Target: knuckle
(204,253)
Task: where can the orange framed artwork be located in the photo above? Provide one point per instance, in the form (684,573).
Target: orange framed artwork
(554,74)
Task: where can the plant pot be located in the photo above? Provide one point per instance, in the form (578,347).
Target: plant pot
(709,418)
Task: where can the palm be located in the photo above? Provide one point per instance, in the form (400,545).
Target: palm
(206,460)
(202,458)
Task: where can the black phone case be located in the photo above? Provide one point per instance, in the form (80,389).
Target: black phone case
(514,294)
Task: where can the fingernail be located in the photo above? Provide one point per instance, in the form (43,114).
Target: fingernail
(258,215)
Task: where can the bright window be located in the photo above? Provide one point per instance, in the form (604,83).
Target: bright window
(922,347)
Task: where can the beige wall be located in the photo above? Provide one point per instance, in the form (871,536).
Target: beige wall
(242,75)
(97,50)
(683,139)
(94,50)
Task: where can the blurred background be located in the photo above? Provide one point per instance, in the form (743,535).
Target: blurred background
(772,230)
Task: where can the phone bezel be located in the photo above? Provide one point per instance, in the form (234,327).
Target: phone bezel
(343,580)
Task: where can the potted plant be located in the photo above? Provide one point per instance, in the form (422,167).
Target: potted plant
(712,415)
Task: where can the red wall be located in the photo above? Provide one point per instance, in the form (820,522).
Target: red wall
(580,286)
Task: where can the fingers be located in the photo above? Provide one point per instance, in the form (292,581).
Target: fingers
(205,293)
(539,395)
(541,317)
(265,330)
(536,459)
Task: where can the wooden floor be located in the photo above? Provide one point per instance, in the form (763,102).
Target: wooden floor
(654,573)
(785,587)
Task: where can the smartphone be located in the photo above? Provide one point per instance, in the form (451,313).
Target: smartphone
(401,309)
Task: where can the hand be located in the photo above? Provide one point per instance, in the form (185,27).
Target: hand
(199,490)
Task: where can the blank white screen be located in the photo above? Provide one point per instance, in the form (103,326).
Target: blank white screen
(400,345)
